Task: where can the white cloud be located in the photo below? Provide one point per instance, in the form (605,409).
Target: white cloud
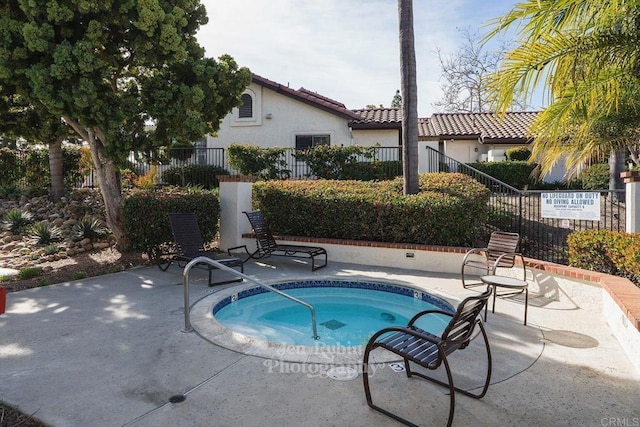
(343,49)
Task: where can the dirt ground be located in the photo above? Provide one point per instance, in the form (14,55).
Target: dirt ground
(73,268)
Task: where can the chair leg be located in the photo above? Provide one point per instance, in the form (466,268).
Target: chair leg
(489,368)
(526,304)
(449,384)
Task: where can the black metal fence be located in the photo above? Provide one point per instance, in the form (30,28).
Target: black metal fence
(520,211)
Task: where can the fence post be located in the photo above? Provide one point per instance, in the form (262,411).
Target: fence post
(235,197)
(632,195)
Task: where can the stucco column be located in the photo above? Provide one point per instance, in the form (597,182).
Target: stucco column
(632,193)
(235,197)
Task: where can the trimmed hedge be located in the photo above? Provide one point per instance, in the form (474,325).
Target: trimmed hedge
(516,174)
(449,210)
(204,176)
(518,154)
(146,222)
(606,251)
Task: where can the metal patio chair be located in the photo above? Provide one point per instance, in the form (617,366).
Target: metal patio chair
(267,245)
(500,252)
(189,244)
(430,351)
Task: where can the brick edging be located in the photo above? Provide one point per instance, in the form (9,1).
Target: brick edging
(625,294)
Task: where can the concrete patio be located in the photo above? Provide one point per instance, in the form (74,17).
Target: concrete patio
(110,351)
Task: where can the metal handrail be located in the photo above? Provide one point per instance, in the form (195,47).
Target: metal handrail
(219,265)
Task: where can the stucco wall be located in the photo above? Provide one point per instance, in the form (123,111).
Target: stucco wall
(288,118)
(384,137)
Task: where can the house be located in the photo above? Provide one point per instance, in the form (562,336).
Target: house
(275,115)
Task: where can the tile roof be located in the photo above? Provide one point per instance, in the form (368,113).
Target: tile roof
(308,97)
(377,118)
(488,127)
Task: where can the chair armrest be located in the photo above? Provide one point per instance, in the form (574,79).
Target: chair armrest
(431,311)
(476,251)
(512,254)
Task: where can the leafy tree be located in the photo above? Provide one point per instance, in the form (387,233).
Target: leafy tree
(586,55)
(465,74)
(409,93)
(34,123)
(110,68)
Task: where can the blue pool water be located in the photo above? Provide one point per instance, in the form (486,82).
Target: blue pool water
(347,312)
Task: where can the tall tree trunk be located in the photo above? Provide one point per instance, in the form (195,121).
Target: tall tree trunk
(55,170)
(616,167)
(409,89)
(109,182)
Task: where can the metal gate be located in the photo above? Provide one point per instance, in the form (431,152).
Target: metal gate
(520,211)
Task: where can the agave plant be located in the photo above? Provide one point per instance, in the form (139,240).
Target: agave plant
(16,220)
(88,227)
(44,233)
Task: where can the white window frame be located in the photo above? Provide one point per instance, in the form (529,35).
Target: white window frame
(256,111)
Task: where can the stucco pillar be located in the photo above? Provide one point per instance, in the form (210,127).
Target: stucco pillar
(632,193)
(235,197)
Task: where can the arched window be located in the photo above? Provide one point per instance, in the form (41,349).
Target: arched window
(245,111)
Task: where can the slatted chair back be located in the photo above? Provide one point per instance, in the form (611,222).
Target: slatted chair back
(502,242)
(186,234)
(266,241)
(460,329)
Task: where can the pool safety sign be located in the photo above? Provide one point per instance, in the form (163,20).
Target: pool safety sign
(563,205)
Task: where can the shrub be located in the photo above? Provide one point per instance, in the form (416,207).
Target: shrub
(51,249)
(595,177)
(180,151)
(606,251)
(127,178)
(515,174)
(16,220)
(204,176)
(145,215)
(263,163)
(9,190)
(332,161)
(515,154)
(149,180)
(44,232)
(9,171)
(29,272)
(449,210)
(88,228)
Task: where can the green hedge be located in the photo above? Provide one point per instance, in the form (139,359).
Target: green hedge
(518,154)
(606,251)
(595,177)
(146,222)
(203,176)
(516,174)
(30,169)
(449,210)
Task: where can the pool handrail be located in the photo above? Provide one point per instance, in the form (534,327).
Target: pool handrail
(219,265)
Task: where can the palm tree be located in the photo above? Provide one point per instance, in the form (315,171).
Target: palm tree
(409,90)
(586,55)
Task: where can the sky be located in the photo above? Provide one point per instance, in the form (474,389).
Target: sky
(347,50)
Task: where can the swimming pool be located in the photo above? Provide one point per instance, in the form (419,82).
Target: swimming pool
(348,312)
